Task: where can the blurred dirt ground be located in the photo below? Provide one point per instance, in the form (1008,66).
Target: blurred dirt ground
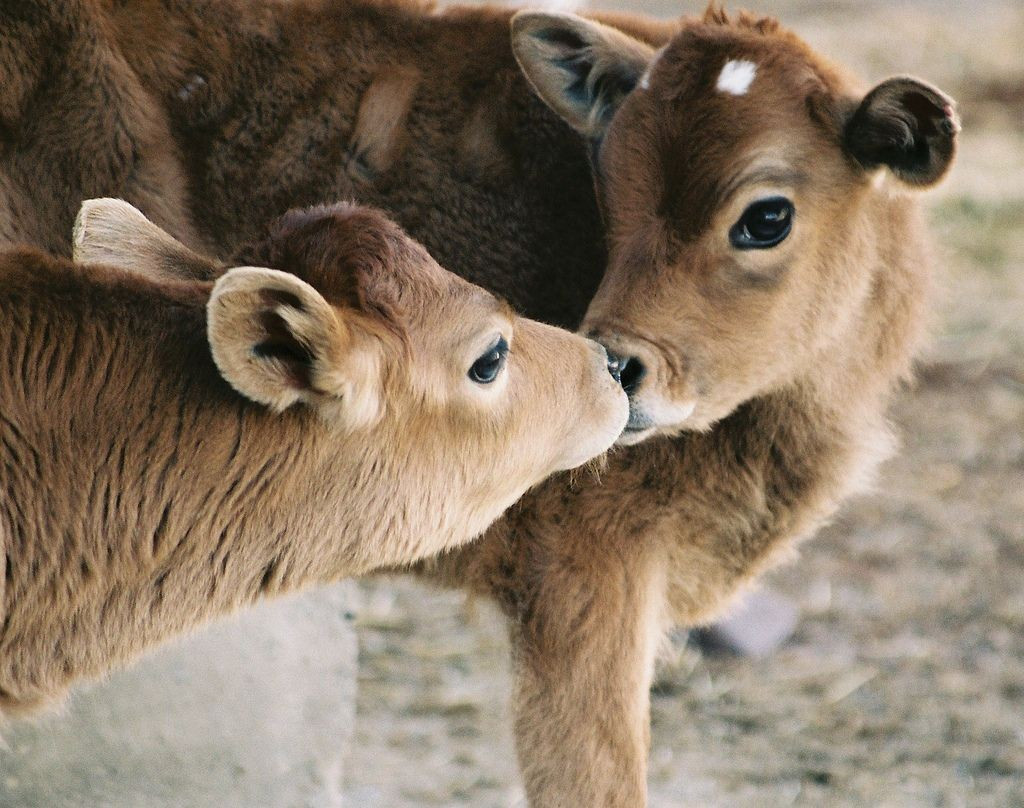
(904,682)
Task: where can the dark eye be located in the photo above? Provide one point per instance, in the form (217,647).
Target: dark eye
(486,369)
(764,224)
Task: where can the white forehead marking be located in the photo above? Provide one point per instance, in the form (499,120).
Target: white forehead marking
(645,79)
(562,6)
(736,77)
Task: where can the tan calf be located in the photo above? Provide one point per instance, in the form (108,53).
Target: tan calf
(759,374)
(141,495)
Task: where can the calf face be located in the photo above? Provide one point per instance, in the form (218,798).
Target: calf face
(455,363)
(742,182)
(357,321)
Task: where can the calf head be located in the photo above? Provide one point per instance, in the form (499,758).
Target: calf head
(750,195)
(358,322)
(456,364)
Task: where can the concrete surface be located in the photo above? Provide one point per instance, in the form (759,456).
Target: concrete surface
(254,711)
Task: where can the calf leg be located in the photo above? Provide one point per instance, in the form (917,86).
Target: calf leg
(584,583)
(584,655)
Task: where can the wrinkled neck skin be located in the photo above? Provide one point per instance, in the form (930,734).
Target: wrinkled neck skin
(140,496)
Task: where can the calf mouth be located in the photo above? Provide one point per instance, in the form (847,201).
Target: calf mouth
(639,421)
(643,424)
(639,426)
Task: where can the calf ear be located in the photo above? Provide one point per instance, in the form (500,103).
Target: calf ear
(908,126)
(110,231)
(581,69)
(278,342)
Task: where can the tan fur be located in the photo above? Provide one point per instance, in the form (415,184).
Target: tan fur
(140,496)
(786,357)
(381,123)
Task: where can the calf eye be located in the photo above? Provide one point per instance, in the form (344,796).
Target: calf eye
(764,224)
(486,369)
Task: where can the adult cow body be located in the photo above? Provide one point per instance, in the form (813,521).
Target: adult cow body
(428,116)
(277,105)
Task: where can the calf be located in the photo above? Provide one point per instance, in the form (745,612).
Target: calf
(753,244)
(156,470)
(765,291)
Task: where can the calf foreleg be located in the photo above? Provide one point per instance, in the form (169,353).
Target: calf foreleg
(584,647)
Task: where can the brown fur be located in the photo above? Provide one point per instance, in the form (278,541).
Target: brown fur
(789,355)
(141,496)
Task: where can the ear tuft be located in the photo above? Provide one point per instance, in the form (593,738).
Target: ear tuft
(279,297)
(582,69)
(290,353)
(110,231)
(350,253)
(909,127)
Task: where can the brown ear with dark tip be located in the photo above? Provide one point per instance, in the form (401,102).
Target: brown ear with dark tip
(909,127)
(112,232)
(582,69)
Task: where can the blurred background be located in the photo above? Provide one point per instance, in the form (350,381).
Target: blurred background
(903,683)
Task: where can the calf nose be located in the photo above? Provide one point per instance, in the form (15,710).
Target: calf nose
(627,371)
(610,360)
(615,367)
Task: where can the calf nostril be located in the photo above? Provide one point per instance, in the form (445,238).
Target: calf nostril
(631,373)
(615,367)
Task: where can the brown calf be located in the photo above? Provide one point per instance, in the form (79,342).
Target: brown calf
(761,373)
(765,291)
(140,495)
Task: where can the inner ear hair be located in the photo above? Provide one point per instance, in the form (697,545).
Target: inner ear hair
(280,344)
(908,126)
(271,334)
(580,68)
(113,232)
